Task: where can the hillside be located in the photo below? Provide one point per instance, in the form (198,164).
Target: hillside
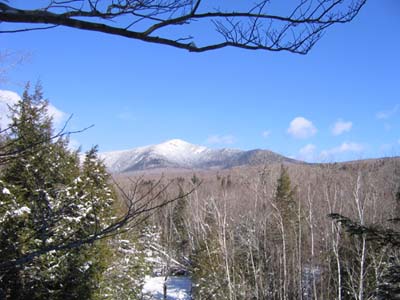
(178,154)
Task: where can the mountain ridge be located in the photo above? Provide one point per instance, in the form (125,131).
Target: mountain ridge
(180,154)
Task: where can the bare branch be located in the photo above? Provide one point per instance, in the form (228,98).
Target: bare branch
(7,151)
(28,29)
(253,28)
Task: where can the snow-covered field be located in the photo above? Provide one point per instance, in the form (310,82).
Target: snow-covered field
(178,288)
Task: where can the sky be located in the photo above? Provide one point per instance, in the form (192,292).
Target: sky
(339,102)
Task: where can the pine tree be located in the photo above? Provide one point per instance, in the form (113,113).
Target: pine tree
(284,198)
(287,233)
(90,213)
(48,200)
(26,227)
(127,266)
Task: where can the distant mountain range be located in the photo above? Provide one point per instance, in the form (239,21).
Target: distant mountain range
(179,154)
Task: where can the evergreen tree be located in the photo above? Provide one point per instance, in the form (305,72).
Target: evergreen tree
(127,266)
(30,176)
(288,234)
(48,200)
(284,198)
(90,213)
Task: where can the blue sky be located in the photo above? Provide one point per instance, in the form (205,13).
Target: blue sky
(138,94)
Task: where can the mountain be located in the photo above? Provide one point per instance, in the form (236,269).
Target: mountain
(183,155)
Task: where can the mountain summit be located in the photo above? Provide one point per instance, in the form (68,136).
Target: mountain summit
(183,155)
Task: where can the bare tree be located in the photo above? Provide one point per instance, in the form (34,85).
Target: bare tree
(333,205)
(293,26)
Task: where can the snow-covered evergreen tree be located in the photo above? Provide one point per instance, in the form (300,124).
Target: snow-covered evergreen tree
(127,267)
(48,200)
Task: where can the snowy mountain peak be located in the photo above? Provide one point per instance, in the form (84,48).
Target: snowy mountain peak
(176,142)
(178,147)
(177,153)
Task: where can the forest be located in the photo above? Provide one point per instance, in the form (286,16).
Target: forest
(70,230)
(269,233)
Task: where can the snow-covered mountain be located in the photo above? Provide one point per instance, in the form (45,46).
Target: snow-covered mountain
(180,154)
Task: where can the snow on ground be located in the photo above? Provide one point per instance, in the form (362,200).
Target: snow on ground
(178,287)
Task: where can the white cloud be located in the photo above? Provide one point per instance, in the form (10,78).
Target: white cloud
(301,128)
(58,116)
(266,133)
(386,114)
(6,98)
(341,127)
(221,139)
(9,98)
(343,148)
(307,152)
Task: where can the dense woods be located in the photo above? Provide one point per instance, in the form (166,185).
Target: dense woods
(293,231)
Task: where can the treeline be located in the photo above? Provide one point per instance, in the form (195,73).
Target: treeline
(266,233)
(60,233)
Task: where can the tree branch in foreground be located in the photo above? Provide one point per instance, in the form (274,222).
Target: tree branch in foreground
(193,25)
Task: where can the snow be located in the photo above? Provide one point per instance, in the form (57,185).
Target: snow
(176,152)
(178,287)
(86,266)
(6,191)
(22,210)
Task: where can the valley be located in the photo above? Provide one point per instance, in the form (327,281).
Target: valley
(264,231)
